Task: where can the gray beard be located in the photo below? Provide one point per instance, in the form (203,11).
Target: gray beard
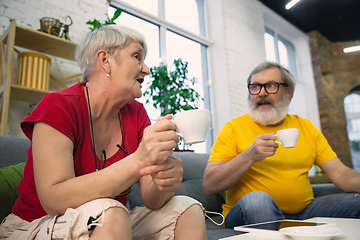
(269,116)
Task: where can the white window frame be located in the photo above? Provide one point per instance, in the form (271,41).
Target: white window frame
(292,56)
(165,26)
(350,117)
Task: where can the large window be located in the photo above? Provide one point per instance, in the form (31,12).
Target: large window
(280,50)
(352,110)
(171,34)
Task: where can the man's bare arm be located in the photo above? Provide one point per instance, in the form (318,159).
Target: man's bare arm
(345,178)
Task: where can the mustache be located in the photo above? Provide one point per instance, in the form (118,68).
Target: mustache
(262,100)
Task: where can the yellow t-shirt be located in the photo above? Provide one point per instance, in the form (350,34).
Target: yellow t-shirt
(284,175)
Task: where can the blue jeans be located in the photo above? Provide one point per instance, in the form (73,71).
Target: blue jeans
(258,207)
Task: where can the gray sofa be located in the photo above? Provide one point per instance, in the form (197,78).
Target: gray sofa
(14,150)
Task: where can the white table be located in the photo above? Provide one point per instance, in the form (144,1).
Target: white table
(349,225)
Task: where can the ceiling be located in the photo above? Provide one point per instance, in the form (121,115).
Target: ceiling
(337,20)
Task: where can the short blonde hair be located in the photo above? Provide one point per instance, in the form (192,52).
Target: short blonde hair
(108,38)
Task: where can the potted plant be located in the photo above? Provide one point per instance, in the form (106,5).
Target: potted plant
(96,23)
(171,90)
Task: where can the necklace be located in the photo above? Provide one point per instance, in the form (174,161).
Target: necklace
(92,131)
(93,137)
(103,151)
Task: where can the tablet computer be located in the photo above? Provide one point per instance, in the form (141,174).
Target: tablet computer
(273,227)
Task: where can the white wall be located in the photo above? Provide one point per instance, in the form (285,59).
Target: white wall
(236,28)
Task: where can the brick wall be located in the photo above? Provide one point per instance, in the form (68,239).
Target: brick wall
(336,74)
(27,13)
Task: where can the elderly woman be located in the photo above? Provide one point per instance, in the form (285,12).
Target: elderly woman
(90,144)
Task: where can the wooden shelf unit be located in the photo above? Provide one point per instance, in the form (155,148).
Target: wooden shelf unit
(16,35)
(26,94)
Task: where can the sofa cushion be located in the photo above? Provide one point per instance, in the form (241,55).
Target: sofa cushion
(9,182)
(322,189)
(13,150)
(135,199)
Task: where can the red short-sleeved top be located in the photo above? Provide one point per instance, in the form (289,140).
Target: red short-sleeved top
(67,112)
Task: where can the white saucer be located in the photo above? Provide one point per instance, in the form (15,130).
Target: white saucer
(312,232)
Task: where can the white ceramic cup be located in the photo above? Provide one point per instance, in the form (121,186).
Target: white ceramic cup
(288,137)
(192,125)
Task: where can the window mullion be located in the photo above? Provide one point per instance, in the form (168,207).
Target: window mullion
(162,37)
(161,13)
(276,39)
(206,90)
(202,13)
(162,32)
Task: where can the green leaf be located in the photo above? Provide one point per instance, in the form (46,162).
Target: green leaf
(117,13)
(96,23)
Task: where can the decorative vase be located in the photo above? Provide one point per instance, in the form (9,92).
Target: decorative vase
(33,70)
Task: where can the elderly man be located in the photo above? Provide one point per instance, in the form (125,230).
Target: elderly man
(265,181)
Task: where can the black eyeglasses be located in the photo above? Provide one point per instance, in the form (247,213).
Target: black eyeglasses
(270,87)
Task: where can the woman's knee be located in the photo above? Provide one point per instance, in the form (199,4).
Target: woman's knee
(117,213)
(183,200)
(190,210)
(191,223)
(187,206)
(194,210)
(111,223)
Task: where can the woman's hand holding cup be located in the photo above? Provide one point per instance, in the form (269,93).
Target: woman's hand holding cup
(158,142)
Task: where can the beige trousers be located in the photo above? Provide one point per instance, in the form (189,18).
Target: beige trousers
(74,224)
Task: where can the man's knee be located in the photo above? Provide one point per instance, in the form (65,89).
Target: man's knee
(256,199)
(257,203)
(253,208)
